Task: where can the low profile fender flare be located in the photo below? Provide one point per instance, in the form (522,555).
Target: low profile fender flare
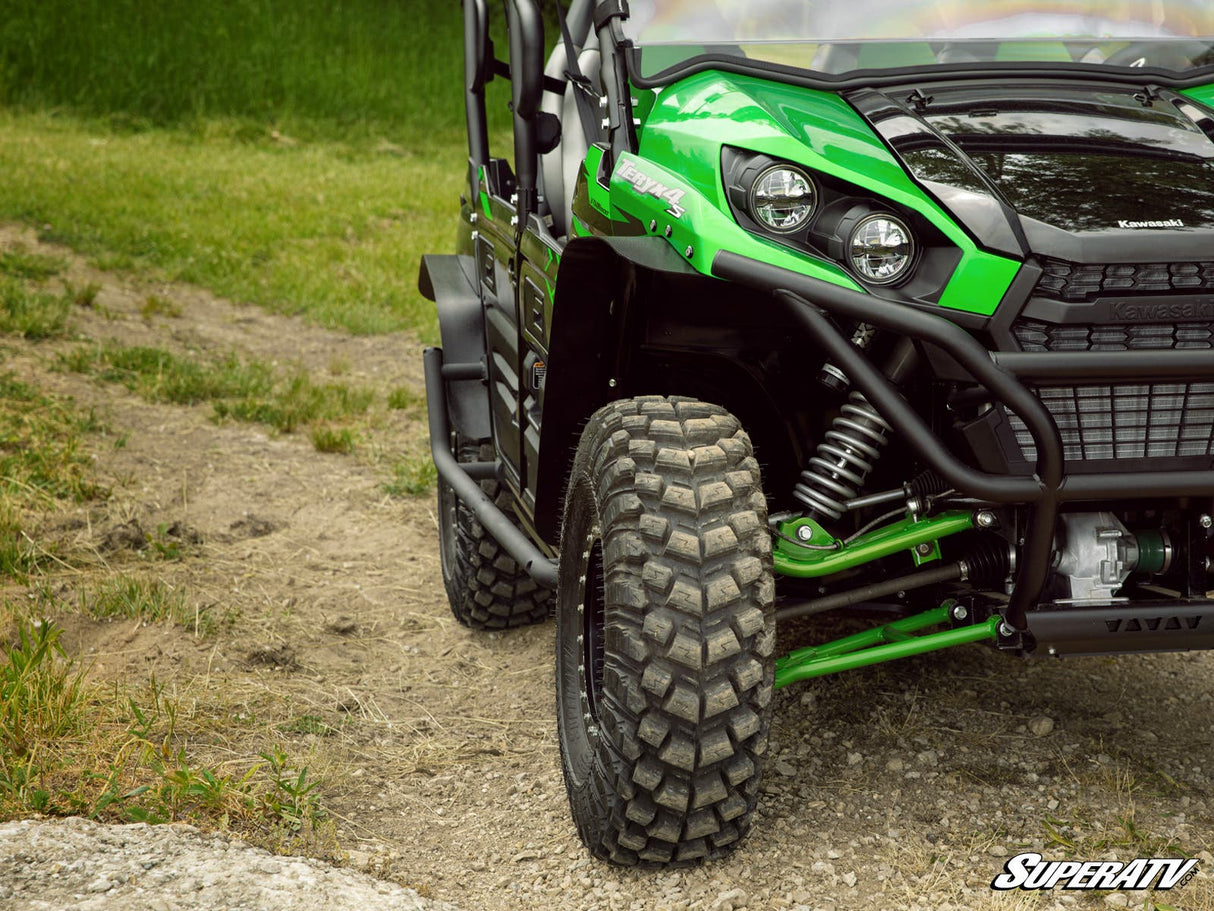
(594,284)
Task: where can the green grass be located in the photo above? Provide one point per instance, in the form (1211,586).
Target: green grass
(413,475)
(404,398)
(68,748)
(33,313)
(41,448)
(242,390)
(36,266)
(134,599)
(350,63)
(329,230)
(155,305)
(330,439)
(42,462)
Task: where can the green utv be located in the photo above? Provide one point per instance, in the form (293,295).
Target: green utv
(782,307)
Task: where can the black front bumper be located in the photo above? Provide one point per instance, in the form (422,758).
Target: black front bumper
(1004,376)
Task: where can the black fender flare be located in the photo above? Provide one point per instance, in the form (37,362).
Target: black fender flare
(586,351)
(450,281)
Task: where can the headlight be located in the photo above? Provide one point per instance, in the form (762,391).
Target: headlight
(783,199)
(881,249)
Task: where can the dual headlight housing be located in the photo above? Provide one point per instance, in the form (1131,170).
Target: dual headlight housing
(790,204)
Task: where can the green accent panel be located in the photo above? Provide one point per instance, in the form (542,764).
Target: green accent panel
(885,643)
(800,563)
(1203,94)
(979,283)
(484,196)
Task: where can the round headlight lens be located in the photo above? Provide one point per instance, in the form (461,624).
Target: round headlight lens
(881,249)
(783,199)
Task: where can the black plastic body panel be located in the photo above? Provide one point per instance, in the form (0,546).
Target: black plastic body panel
(450,281)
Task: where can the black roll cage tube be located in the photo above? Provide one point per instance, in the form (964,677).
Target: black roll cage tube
(809,300)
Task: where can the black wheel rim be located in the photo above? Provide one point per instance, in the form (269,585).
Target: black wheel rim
(593,613)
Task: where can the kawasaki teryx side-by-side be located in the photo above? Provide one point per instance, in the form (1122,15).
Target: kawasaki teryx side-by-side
(780,307)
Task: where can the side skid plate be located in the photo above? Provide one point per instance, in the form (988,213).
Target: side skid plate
(1163,626)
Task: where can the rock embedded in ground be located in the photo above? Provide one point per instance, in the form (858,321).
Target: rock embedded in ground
(54,864)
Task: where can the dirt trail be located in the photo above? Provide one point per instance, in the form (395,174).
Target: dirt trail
(904,786)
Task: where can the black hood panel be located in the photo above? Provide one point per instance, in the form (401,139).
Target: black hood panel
(1060,169)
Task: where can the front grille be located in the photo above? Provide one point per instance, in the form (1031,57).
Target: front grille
(1143,420)
(1130,421)
(1076,282)
(1034,335)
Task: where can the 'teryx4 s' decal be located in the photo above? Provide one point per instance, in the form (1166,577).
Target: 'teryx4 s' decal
(650,187)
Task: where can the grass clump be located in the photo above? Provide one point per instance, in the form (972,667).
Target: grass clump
(42,462)
(40,697)
(241,390)
(403,398)
(134,599)
(328,439)
(298,401)
(413,475)
(71,748)
(37,267)
(154,305)
(33,313)
(41,448)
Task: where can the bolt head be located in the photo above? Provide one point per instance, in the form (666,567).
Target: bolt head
(804,533)
(985,519)
(960,612)
(1205,521)
(924,549)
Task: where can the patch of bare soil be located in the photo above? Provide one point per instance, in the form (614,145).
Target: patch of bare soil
(903,786)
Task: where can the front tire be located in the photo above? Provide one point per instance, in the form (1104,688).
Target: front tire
(486,587)
(665,632)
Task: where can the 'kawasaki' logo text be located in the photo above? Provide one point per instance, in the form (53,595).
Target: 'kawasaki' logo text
(1158,313)
(1169,223)
(1031,871)
(650,187)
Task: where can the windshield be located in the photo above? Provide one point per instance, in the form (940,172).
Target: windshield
(837,37)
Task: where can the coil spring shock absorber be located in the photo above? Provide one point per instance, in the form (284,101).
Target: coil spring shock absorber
(837,472)
(844,458)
